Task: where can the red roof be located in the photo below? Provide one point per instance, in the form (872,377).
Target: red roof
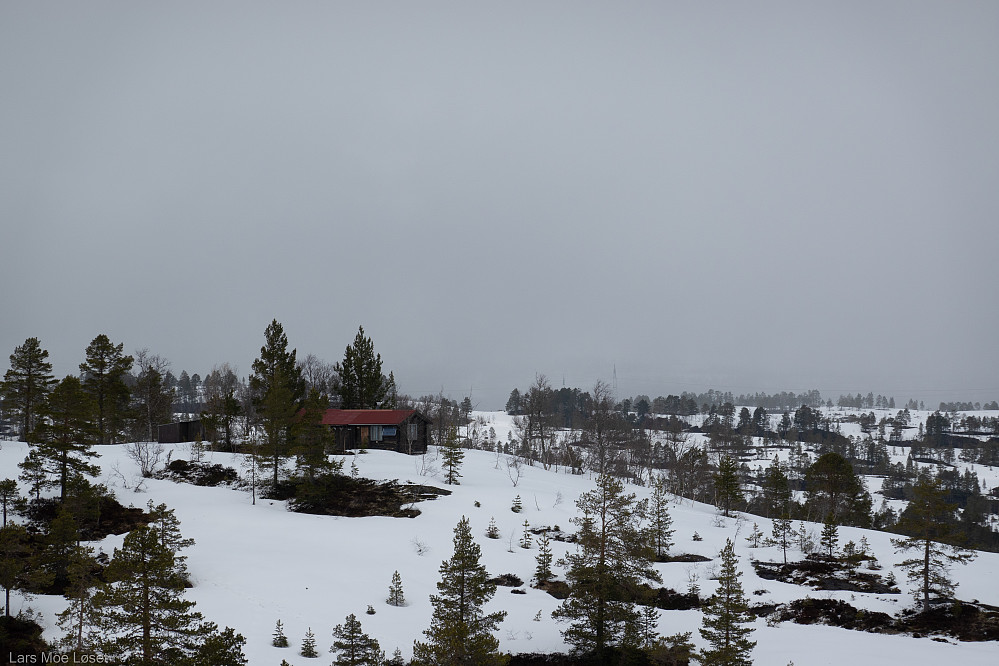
(366,416)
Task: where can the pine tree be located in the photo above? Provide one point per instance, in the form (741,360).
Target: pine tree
(77,621)
(143,616)
(755,537)
(221,648)
(726,610)
(278,637)
(830,536)
(103,375)
(776,490)
(660,520)
(26,384)
(452,456)
(396,597)
(930,523)
(277,388)
(543,570)
(313,440)
(728,491)
(613,557)
(362,385)
(15,547)
(492,532)
(309,648)
(782,533)
(353,647)
(525,538)
(10,498)
(518,505)
(66,438)
(460,632)
(396,659)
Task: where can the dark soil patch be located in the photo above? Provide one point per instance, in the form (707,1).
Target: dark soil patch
(198,473)
(836,613)
(824,574)
(341,495)
(608,657)
(962,620)
(506,580)
(669,599)
(683,557)
(557,588)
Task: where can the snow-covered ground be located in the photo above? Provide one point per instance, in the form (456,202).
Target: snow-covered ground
(253,565)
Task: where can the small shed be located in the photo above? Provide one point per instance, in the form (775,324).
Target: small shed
(180,431)
(402,430)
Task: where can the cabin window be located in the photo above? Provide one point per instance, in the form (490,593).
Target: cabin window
(412,432)
(376,433)
(388,431)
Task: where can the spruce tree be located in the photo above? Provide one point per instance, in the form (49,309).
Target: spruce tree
(728,491)
(309,648)
(353,647)
(26,384)
(543,570)
(460,631)
(613,557)
(660,521)
(66,438)
(930,523)
(725,613)
(451,457)
(278,638)
(395,596)
(103,375)
(362,385)
(492,531)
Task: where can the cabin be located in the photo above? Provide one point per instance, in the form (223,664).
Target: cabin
(402,430)
(180,431)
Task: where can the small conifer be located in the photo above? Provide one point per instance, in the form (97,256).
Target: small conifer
(309,645)
(279,640)
(726,610)
(543,572)
(830,536)
(755,537)
(525,539)
(518,505)
(395,597)
(492,531)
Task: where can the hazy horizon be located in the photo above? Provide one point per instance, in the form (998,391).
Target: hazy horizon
(760,197)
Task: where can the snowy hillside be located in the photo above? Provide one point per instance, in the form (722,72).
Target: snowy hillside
(255,564)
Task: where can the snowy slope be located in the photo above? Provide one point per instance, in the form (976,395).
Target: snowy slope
(252,565)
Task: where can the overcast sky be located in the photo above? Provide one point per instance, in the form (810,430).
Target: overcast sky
(744,196)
